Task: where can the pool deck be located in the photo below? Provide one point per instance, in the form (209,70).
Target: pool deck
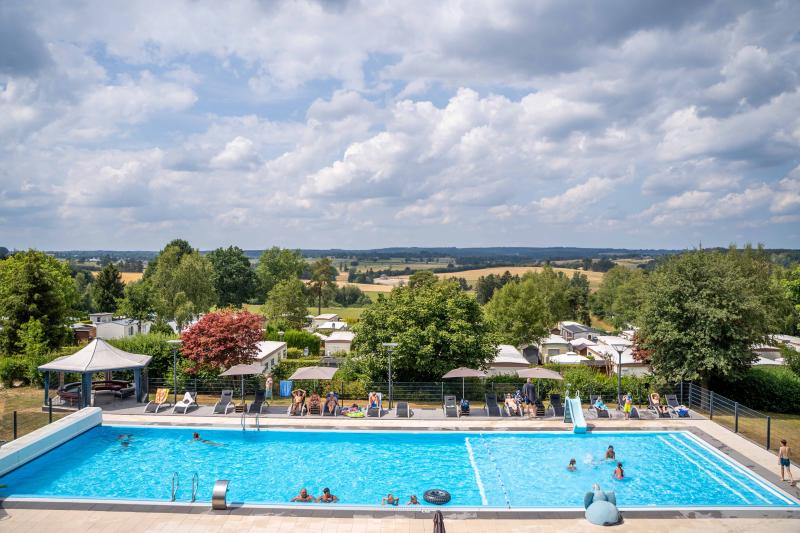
(23,516)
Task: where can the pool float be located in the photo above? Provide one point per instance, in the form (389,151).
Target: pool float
(355,414)
(436,496)
(601,507)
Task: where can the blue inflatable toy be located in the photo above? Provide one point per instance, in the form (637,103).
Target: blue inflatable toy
(601,507)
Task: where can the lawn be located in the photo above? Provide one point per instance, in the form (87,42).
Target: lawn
(27,401)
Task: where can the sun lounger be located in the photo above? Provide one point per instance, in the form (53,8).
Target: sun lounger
(656,409)
(259,403)
(225,403)
(314,404)
(600,413)
(492,409)
(298,405)
(327,411)
(508,411)
(189,400)
(450,407)
(463,408)
(673,405)
(375,411)
(159,402)
(556,407)
(403,410)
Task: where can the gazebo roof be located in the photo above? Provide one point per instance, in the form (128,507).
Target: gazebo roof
(97,356)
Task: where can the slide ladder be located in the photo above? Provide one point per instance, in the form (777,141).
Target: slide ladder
(573,414)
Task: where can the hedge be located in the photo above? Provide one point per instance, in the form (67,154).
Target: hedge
(764,388)
(297,339)
(286,368)
(152,344)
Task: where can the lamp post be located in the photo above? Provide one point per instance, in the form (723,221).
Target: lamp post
(175,343)
(389,347)
(619,348)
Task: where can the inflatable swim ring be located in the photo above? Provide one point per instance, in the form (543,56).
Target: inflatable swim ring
(436,496)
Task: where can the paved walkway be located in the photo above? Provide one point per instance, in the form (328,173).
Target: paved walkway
(42,521)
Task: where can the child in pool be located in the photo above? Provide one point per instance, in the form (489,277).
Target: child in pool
(572,467)
(619,473)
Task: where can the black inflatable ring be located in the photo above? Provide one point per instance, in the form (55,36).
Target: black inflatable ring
(436,496)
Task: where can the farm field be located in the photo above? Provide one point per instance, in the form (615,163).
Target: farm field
(366,287)
(127,277)
(595,278)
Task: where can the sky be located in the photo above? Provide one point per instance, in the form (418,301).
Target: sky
(339,124)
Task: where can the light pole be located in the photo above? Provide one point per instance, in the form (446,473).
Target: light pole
(175,343)
(619,348)
(389,347)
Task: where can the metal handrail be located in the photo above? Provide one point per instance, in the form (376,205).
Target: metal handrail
(258,421)
(243,420)
(195,486)
(175,484)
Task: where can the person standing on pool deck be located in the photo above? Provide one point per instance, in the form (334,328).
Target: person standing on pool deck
(529,395)
(784,459)
(628,405)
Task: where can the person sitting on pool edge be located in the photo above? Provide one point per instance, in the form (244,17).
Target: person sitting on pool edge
(413,500)
(390,499)
(610,453)
(303,497)
(572,466)
(327,497)
(619,473)
(600,405)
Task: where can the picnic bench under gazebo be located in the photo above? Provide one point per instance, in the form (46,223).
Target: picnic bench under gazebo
(97,356)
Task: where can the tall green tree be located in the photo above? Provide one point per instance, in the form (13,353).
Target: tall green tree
(180,247)
(35,286)
(620,297)
(182,285)
(83,287)
(107,289)
(278,264)
(137,302)
(578,298)
(523,312)
(437,327)
(286,304)
(703,313)
(234,279)
(323,278)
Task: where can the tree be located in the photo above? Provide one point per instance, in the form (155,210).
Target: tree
(222,339)
(107,288)
(234,280)
(437,327)
(32,339)
(487,285)
(180,247)
(423,278)
(348,295)
(620,296)
(278,264)
(182,285)
(523,312)
(578,298)
(286,303)
(34,285)
(3,252)
(323,277)
(790,281)
(137,303)
(703,313)
(83,288)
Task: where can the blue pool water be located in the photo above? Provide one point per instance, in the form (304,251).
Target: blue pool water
(515,470)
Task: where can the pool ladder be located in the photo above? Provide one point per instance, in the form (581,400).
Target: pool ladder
(176,483)
(243,421)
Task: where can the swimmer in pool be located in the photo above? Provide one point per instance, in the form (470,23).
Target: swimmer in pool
(413,500)
(619,473)
(610,453)
(327,497)
(196,437)
(572,467)
(303,497)
(390,499)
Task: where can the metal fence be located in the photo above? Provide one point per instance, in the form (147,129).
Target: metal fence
(751,424)
(16,423)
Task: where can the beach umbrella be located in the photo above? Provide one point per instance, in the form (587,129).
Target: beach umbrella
(538,373)
(243,370)
(463,372)
(314,373)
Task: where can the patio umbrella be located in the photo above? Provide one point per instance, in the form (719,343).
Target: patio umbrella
(463,372)
(315,373)
(539,373)
(243,370)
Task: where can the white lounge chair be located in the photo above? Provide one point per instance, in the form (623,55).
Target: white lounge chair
(189,400)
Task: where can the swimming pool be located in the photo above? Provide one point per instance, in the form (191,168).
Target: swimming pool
(493,470)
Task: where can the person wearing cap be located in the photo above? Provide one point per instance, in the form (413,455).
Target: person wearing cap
(327,497)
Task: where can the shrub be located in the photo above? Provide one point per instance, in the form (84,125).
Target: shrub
(766,388)
(294,353)
(13,368)
(153,344)
(297,339)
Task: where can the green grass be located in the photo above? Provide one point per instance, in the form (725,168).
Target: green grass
(27,402)
(348,314)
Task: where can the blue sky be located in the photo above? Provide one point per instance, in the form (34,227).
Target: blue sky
(370,124)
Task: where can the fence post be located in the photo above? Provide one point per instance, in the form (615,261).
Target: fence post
(442,398)
(50,410)
(736,417)
(682,393)
(15,426)
(769,427)
(690,394)
(711,405)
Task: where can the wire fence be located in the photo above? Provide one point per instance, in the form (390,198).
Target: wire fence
(17,423)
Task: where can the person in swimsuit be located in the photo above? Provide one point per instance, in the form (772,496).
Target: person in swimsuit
(303,497)
(373,399)
(655,398)
(572,466)
(327,497)
(413,500)
(619,473)
(390,499)
(196,437)
(610,453)
(628,405)
(784,459)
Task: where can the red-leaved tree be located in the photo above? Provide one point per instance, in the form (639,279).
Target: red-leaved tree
(222,339)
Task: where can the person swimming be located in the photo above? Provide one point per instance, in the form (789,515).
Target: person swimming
(610,453)
(619,473)
(413,500)
(303,497)
(196,437)
(327,497)
(390,499)
(572,466)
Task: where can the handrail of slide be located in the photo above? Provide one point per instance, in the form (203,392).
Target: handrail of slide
(574,412)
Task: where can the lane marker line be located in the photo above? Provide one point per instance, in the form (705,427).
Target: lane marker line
(697,453)
(752,475)
(711,474)
(484,501)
